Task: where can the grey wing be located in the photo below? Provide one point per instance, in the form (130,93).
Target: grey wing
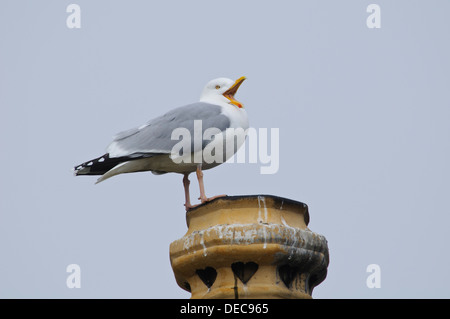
(155,137)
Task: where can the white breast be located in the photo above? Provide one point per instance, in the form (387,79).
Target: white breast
(238,116)
(230,141)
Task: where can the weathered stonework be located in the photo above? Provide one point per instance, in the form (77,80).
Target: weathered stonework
(249,247)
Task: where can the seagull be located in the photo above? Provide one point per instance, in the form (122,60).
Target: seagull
(154,146)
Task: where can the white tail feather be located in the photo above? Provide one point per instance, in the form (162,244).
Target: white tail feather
(125,167)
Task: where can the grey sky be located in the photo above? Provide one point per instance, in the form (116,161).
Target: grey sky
(363,116)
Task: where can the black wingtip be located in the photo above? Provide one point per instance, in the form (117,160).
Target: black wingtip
(96,166)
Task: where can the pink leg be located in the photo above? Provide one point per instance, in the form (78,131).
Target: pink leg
(203,197)
(186,183)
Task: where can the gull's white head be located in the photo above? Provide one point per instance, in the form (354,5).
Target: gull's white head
(222,90)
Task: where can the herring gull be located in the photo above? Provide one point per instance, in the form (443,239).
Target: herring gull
(150,147)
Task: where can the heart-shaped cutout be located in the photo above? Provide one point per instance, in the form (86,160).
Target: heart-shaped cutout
(207,275)
(244,271)
(288,274)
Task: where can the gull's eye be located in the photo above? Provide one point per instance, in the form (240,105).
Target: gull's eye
(217,87)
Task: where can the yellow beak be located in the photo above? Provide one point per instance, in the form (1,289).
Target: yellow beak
(229,94)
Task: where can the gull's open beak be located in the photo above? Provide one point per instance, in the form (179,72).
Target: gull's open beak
(229,94)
